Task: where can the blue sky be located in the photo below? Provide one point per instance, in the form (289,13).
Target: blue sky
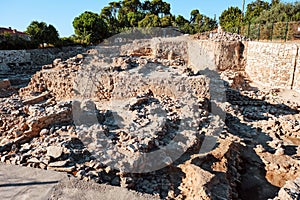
(19,13)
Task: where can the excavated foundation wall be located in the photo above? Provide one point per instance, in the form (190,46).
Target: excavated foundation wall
(274,64)
(36,56)
(220,56)
(206,57)
(196,54)
(270,64)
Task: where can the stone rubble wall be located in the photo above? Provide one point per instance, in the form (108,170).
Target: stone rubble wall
(66,79)
(274,64)
(14,56)
(36,56)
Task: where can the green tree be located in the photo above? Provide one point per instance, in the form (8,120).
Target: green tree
(159,7)
(52,34)
(180,21)
(151,20)
(109,15)
(281,12)
(146,6)
(275,2)
(207,24)
(42,33)
(183,24)
(133,18)
(90,27)
(194,14)
(166,21)
(123,18)
(231,18)
(131,5)
(254,10)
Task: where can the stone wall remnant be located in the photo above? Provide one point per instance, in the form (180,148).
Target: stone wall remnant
(274,64)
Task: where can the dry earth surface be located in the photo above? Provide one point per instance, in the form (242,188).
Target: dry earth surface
(256,154)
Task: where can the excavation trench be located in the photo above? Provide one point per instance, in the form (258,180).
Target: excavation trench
(48,126)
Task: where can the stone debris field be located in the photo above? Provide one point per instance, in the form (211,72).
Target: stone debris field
(157,117)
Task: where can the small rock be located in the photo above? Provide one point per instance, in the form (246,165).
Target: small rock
(62,169)
(279,152)
(3,158)
(79,56)
(116,181)
(44,132)
(4,83)
(108,169)
(56,61)
(290,191)
(33,160)
(259,149)
(54,151)
(80,174)
(59,163)
(42,166)
(131,148)
(273,166)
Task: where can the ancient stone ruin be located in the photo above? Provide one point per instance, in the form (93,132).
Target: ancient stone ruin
(174,117)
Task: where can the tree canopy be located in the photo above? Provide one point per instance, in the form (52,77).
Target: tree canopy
(151,13)
(261,12)
(90,27)
(254,9)
(42,33)
(119,15)
(232,17)
(151,20)
(280,12)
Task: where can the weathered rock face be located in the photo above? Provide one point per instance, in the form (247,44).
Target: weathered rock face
(15,57)
(36,56)
(244,146)
(290,191)
(221,37)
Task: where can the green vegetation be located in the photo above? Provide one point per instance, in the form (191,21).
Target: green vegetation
(255,9)
(261,12)
(42,34)
(280,12)
(232,17)
(263,20)
(121,15)
(92,28)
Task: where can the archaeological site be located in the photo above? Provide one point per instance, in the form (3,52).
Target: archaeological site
(153,115)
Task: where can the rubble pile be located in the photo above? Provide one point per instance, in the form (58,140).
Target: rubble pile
(227,37)
(99,114)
